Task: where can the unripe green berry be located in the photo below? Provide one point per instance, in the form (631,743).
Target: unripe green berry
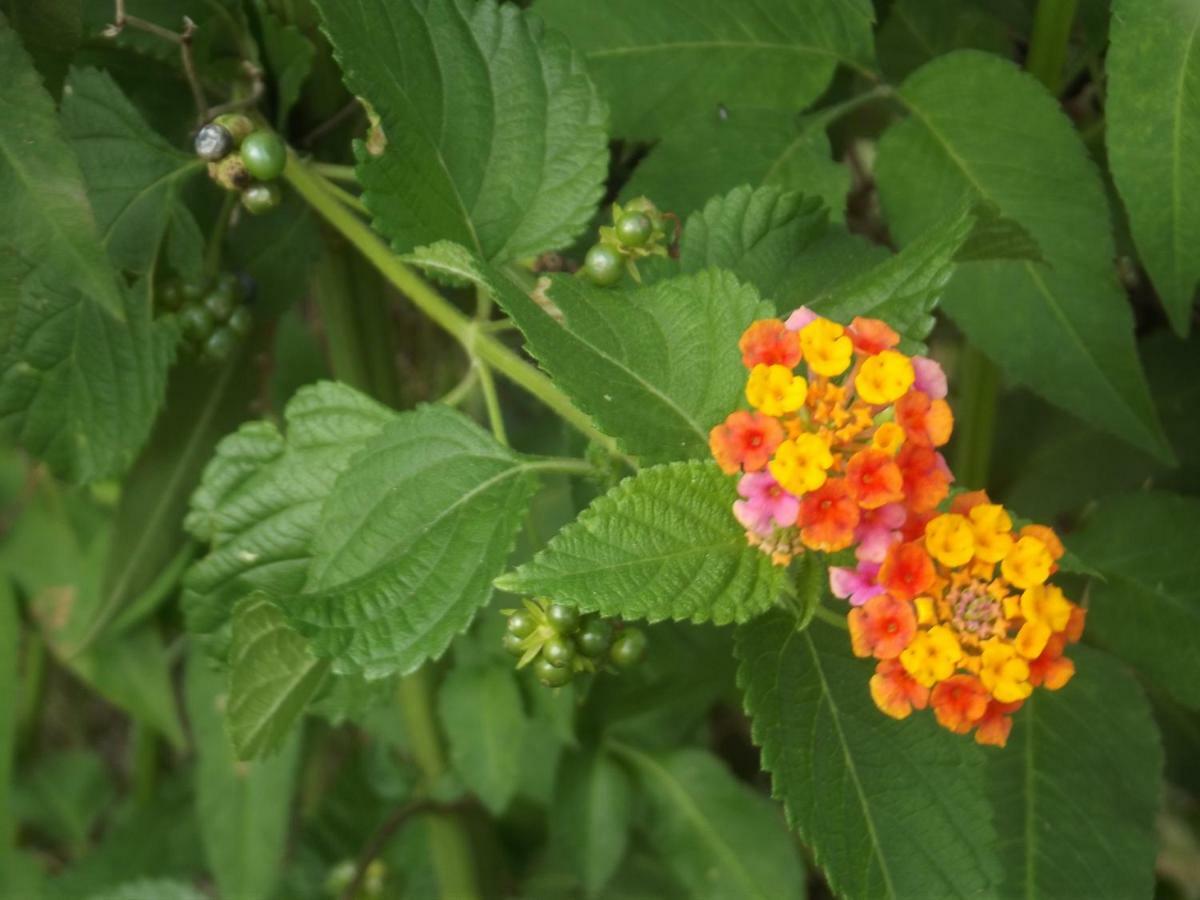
(264,155)
(220,345)
(512,644)
(238,125)
(565,619)
(193,292)
(558,652)
(521,623)
(634,229)
(213,142)
(628,649)
(221,303)
(260,198)
(595,638)
(241,322)
(602,265)
(551,675)
(197,322)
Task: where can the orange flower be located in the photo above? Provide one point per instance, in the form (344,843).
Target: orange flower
(959,702)
(828,517)
(966,501)
(907,571)
(926,477)
(1051,670)
(872,336)
(881,627)
(996,723)
(925,422)
(745,440)
(894,690)
(768,342)
(1075,625)
(874,479)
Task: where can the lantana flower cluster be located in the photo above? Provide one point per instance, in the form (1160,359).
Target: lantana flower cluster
(840,450)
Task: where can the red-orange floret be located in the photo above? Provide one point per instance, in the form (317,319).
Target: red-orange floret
(1051,669)
(769,342)
(745,440)
(871,336)
(874,479)
(896,692)
(959,702)
(828,517)
(996,723)
(926,422)
(881,627)
(926,477)
(907,571)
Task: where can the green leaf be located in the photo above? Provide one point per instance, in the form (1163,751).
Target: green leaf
(1152,129)
(590,816)
(408,543)
(890,809)
(659,62)
(661,545)
(484,721)
(917,31)
(711,152)
(1078,787)
(290,54)
(980,129)
(151,889)
(1146,608)
(720,837)
(278,251)
(495,136)
(244,808)
(63,795)
(135,179)
(83,366)
(51,31)
(272,676)
(259,501)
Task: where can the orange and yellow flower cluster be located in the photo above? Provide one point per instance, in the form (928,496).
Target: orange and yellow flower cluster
(954,605)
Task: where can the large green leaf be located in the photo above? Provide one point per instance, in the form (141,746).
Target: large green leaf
(890,809)
(151,889)
(1146,607)
(591,815)
(917,31)
(711,152)
(134,177)
(484,721)
(659,60)
(83,366)
(980,129)
(661,545)
(244,808)
(408,543)
(1152,127)
(260,499)
(720,837)
(495,135)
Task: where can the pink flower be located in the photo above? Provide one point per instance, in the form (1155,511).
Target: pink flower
(800,318)
(877,530)
(766,506)
(930,379)
(856,585)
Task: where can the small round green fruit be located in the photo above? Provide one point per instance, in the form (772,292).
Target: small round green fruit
(634,229)
(241,322)
(521,623)
(220,345)
(264,155)
(260,198)
(595,638)
(558,652)
(628,649)
(512,644)
(551,675)
(602,265)
(565,619)
(197,322)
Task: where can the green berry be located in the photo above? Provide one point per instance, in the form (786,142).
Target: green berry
(602,265)
(634,229)
(221,303)
(264,155)
(213,142)
(238,125)
(260,198)
(551,675)
(558,652)
(512,644)
(192,292)
(197,322)
(595,638)
(241,321)
(628,649)
(521,623)
(220,345)
(565,619)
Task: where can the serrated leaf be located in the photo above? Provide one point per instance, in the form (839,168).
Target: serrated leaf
(495,136)
(290,54)
(890,809)
(151,889)
(1146,605)
(661,545)
(659,61)
(1152,130)
(272,676)
(134,177)
(259,501)
(83,366)
(717,149)
(980,129)
(718,836)
(484,721)
(1078,787)
(412,534)
(917,31)
(590,815)
(244,808)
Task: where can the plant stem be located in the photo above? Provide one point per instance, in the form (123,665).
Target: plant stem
(487,386)
(335,172)
(1048,43)
(829,617)
(145,763)
(503,360)
(979,384)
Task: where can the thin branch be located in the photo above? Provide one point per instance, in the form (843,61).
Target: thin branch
(254,73)
(379,840)
(122,20)
(331,123)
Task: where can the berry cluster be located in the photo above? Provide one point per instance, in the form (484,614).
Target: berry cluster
(561,643)
(214,316)
(242,157)
(638,231)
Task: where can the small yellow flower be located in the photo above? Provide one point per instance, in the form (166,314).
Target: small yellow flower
(950,540)
(884,377)
(992,527)
(826,346)
(775,390)
(800,464)
(889,437)
(1045,603)
(1004,672)
(1031,640)
(932,655)
(1027,563)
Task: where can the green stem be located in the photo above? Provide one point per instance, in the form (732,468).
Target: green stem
(335,172)
(216,240)
(1049,41)
(503,360)
(979,385)
(829,617)
(487,386)
(145,763)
